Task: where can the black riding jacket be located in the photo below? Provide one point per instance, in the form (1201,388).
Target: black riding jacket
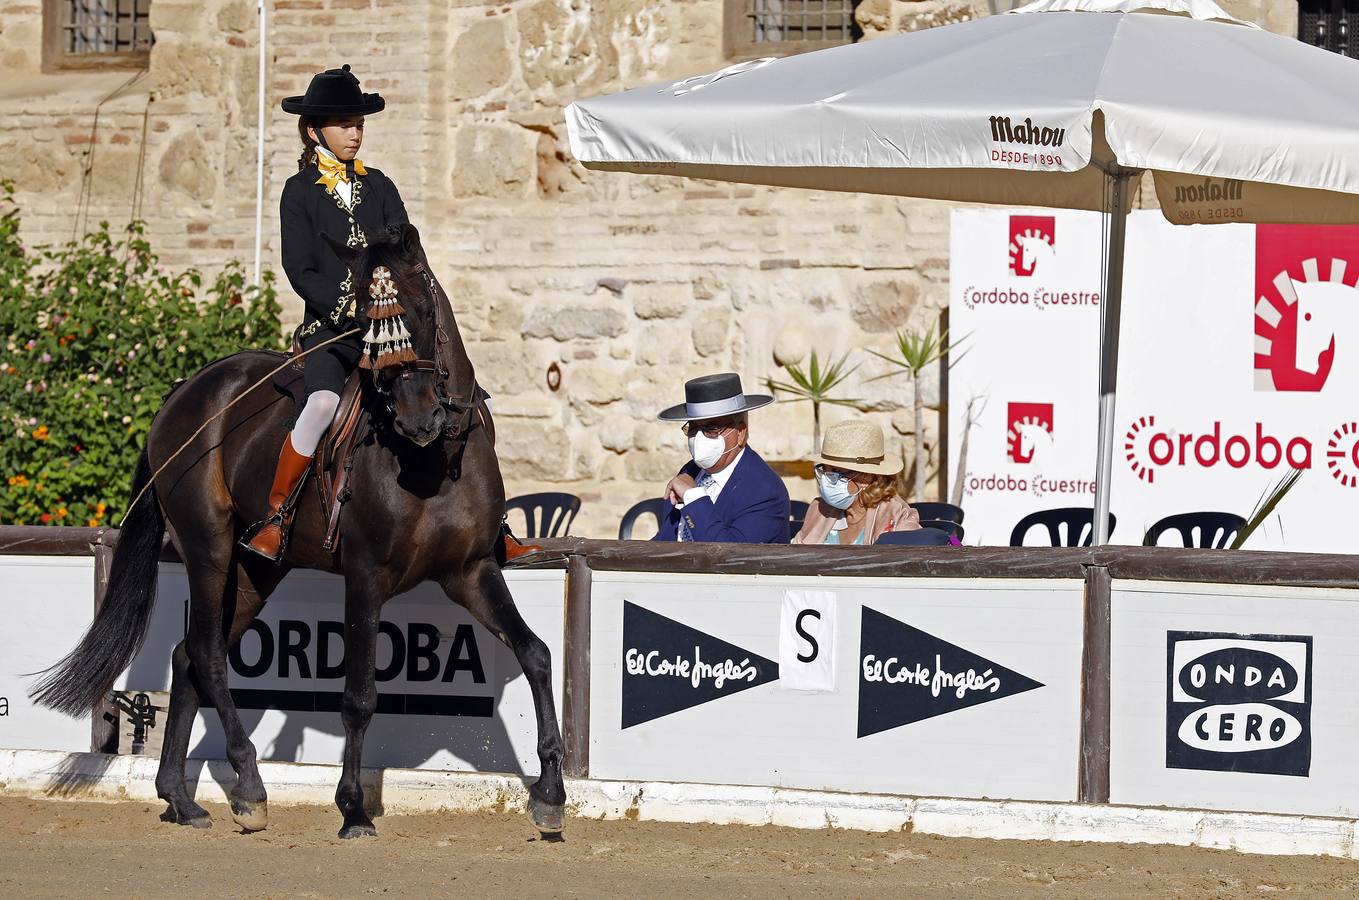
(307,211)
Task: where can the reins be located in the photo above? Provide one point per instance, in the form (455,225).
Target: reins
(223,411)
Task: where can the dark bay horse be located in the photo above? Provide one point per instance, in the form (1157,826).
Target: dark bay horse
(426,506)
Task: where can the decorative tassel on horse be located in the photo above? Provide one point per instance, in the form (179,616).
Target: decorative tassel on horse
(388,342)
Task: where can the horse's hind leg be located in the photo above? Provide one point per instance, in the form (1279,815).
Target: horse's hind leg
(223,602)
(184,702)
(484,592)
(170,785)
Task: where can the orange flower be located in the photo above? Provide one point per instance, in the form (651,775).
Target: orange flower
(62,512)
(41,433)
(45,518)
(93,523)
(99,508)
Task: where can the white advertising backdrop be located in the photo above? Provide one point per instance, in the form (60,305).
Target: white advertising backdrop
(1235,697)
(941,687)
(1239,345)
(450,696)
(48,602)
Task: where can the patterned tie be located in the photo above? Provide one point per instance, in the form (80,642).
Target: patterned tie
(705,481)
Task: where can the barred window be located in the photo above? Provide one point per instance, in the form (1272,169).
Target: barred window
(779,27)
(1327,23)
(81,34)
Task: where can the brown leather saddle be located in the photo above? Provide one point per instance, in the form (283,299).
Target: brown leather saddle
(335,454)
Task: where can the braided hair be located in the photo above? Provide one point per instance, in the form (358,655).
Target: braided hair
(308,155)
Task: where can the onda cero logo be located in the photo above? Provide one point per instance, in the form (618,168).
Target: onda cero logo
(1239,702)
(1028,432)
(1032,239)
(1305,302)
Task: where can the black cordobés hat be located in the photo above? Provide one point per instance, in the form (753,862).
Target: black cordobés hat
(334,93)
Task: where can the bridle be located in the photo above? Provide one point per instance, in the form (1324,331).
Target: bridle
(462,410)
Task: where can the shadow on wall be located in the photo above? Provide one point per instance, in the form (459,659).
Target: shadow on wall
(279,667)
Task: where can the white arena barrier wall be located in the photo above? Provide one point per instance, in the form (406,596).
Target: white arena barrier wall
(1114,693)
(1235,697)
(46,603)
(929,687)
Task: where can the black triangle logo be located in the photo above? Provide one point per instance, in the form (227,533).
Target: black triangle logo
(668,666)
(906,675)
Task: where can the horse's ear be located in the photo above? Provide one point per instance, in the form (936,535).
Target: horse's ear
(410,240)
(347,254)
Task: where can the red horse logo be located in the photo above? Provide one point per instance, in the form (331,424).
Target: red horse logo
(1304,287)
(1028,431)
(1031,238)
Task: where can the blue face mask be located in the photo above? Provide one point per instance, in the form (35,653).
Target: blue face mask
(835,490)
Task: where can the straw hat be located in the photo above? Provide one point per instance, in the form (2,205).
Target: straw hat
(856,447)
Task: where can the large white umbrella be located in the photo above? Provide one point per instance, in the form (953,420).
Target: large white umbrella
(1060,103)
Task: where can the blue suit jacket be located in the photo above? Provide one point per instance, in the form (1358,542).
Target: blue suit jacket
(752,508)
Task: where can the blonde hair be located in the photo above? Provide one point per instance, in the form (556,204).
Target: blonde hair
(879,489)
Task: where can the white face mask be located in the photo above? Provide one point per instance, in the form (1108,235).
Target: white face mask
(706,451)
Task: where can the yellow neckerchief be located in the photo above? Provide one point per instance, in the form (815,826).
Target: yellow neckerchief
(333,171)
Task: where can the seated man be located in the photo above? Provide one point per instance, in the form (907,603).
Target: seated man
(726,492)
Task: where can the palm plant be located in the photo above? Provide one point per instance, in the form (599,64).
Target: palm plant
(1265,507)
(916,351)
(814,384)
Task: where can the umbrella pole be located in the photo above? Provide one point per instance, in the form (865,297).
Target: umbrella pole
(1120,179)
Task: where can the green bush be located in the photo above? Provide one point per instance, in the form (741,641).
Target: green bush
(95,332)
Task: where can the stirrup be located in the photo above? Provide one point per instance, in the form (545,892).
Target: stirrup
(285,532)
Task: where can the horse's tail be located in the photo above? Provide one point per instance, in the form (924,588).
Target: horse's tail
(86,674)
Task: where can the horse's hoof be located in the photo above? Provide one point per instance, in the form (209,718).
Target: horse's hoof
(201,820)
(358,831)
(250,816)
(549,818)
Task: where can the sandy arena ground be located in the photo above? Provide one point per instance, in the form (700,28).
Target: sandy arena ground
(66,849)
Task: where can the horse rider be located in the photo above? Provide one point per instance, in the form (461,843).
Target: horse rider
(334,194)
(726,492)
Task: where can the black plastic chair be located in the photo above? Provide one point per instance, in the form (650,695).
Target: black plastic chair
(545,515)
(1215,529)
(797,514)
(657,508)
(1079,522)
(939,512)
(944,525)
(921,537)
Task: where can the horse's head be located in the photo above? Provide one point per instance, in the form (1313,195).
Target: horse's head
(1321,307)
(1033,247)
(398,311)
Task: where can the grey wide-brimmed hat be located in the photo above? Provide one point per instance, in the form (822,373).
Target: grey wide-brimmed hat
(857,447)
(714,396)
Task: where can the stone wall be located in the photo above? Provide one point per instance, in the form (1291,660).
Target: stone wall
(628,284)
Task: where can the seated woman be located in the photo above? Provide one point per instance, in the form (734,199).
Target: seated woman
(858,488)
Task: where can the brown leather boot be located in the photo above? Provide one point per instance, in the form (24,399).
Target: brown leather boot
(513,548)
(269,536)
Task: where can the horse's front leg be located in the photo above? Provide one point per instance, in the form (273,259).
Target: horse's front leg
(483,591)
(362,609)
